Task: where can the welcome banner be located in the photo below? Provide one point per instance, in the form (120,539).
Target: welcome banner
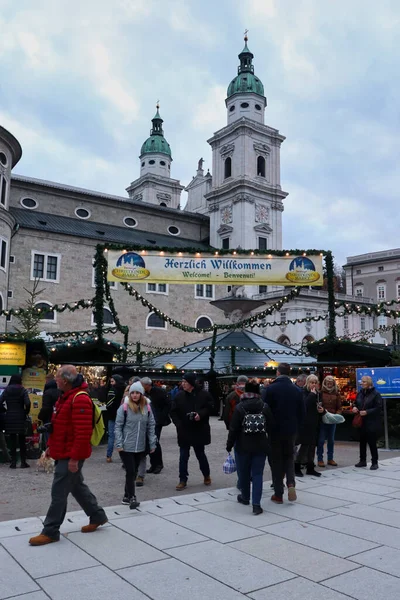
(180,267)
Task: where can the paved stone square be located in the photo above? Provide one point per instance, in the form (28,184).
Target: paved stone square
(206,545)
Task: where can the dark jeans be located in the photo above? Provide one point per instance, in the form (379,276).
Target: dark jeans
(131,462)
(15,440)
(184,453)
(156,459)
(282,461)
(65,483)
(251,467)
(326,431)
(370,439)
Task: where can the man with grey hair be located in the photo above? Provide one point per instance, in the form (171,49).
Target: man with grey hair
(69,445)
(301,380)
(161,406)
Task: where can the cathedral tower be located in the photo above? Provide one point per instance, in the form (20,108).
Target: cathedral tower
(155,185)
(246,200)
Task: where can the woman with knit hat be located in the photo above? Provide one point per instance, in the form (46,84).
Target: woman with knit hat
(134,429)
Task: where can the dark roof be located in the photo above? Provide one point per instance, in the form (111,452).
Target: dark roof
(29,219)
(200,360)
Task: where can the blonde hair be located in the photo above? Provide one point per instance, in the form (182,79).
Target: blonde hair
(309,380)
(137,406)
(368,379)
(330,389)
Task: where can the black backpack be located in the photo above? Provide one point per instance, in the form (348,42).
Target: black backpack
(254,423)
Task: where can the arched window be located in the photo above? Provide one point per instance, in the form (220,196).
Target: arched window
(283,339)
(154,321)
(107,317)
(307,339)
(261,166)
(46,313)
(203,322)
(228,167)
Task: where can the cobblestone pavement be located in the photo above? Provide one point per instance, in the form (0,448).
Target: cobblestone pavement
(338,541)
(26,493)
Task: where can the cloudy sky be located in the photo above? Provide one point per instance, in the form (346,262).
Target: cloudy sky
(79,81)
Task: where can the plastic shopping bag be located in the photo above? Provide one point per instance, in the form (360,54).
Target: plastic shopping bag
(229,465)
(331,419)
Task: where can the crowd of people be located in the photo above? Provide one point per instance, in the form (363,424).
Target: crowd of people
(282,423)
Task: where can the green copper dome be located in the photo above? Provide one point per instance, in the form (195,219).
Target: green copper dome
(245,81)
(156,143)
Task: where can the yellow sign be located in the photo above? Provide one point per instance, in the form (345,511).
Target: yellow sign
(34,381)
(162,267)
(13,354)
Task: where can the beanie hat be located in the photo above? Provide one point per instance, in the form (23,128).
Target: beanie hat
(190,378)
(136,387)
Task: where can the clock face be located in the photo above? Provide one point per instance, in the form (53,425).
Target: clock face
(261,213)
(226,215)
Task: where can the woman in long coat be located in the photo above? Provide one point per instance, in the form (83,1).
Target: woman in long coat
(18,406)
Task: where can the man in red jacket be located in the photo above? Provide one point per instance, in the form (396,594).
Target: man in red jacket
(69,445)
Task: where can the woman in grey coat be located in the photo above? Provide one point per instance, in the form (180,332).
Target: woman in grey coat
(134,430)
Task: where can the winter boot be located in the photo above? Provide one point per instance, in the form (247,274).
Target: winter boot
(311,470)
(297,470)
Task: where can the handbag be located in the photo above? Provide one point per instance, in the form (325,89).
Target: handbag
(357,421)
(229,465)
(332,419)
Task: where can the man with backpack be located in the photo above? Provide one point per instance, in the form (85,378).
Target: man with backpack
(69,445)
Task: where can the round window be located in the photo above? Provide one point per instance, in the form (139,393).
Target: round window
(173,230)
(82,213)
(152,162)
(232,108)
(29,203)
(244,105)
(130,222)
(3,159)
(162,163)
(143,163)
(257,107)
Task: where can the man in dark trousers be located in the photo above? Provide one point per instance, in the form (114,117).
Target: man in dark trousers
(69,445)
(287,406)
(161,406)
(190,413)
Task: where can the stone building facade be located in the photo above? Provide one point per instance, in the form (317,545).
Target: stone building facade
(49,231)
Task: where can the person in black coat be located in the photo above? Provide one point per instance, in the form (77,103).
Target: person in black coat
(161,406)
(50,396)
(114,399)
(369,404)
(251,447)
(190,413)
(287,406)
(3,443)
(18,406)
(308,432)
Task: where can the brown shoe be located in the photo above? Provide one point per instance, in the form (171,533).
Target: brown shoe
(139,481)
(292,496)
(108,459)
(92,527)
(41,540)
(277,499)
(181,486)
(321,463)
(207,480)
(332,463)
